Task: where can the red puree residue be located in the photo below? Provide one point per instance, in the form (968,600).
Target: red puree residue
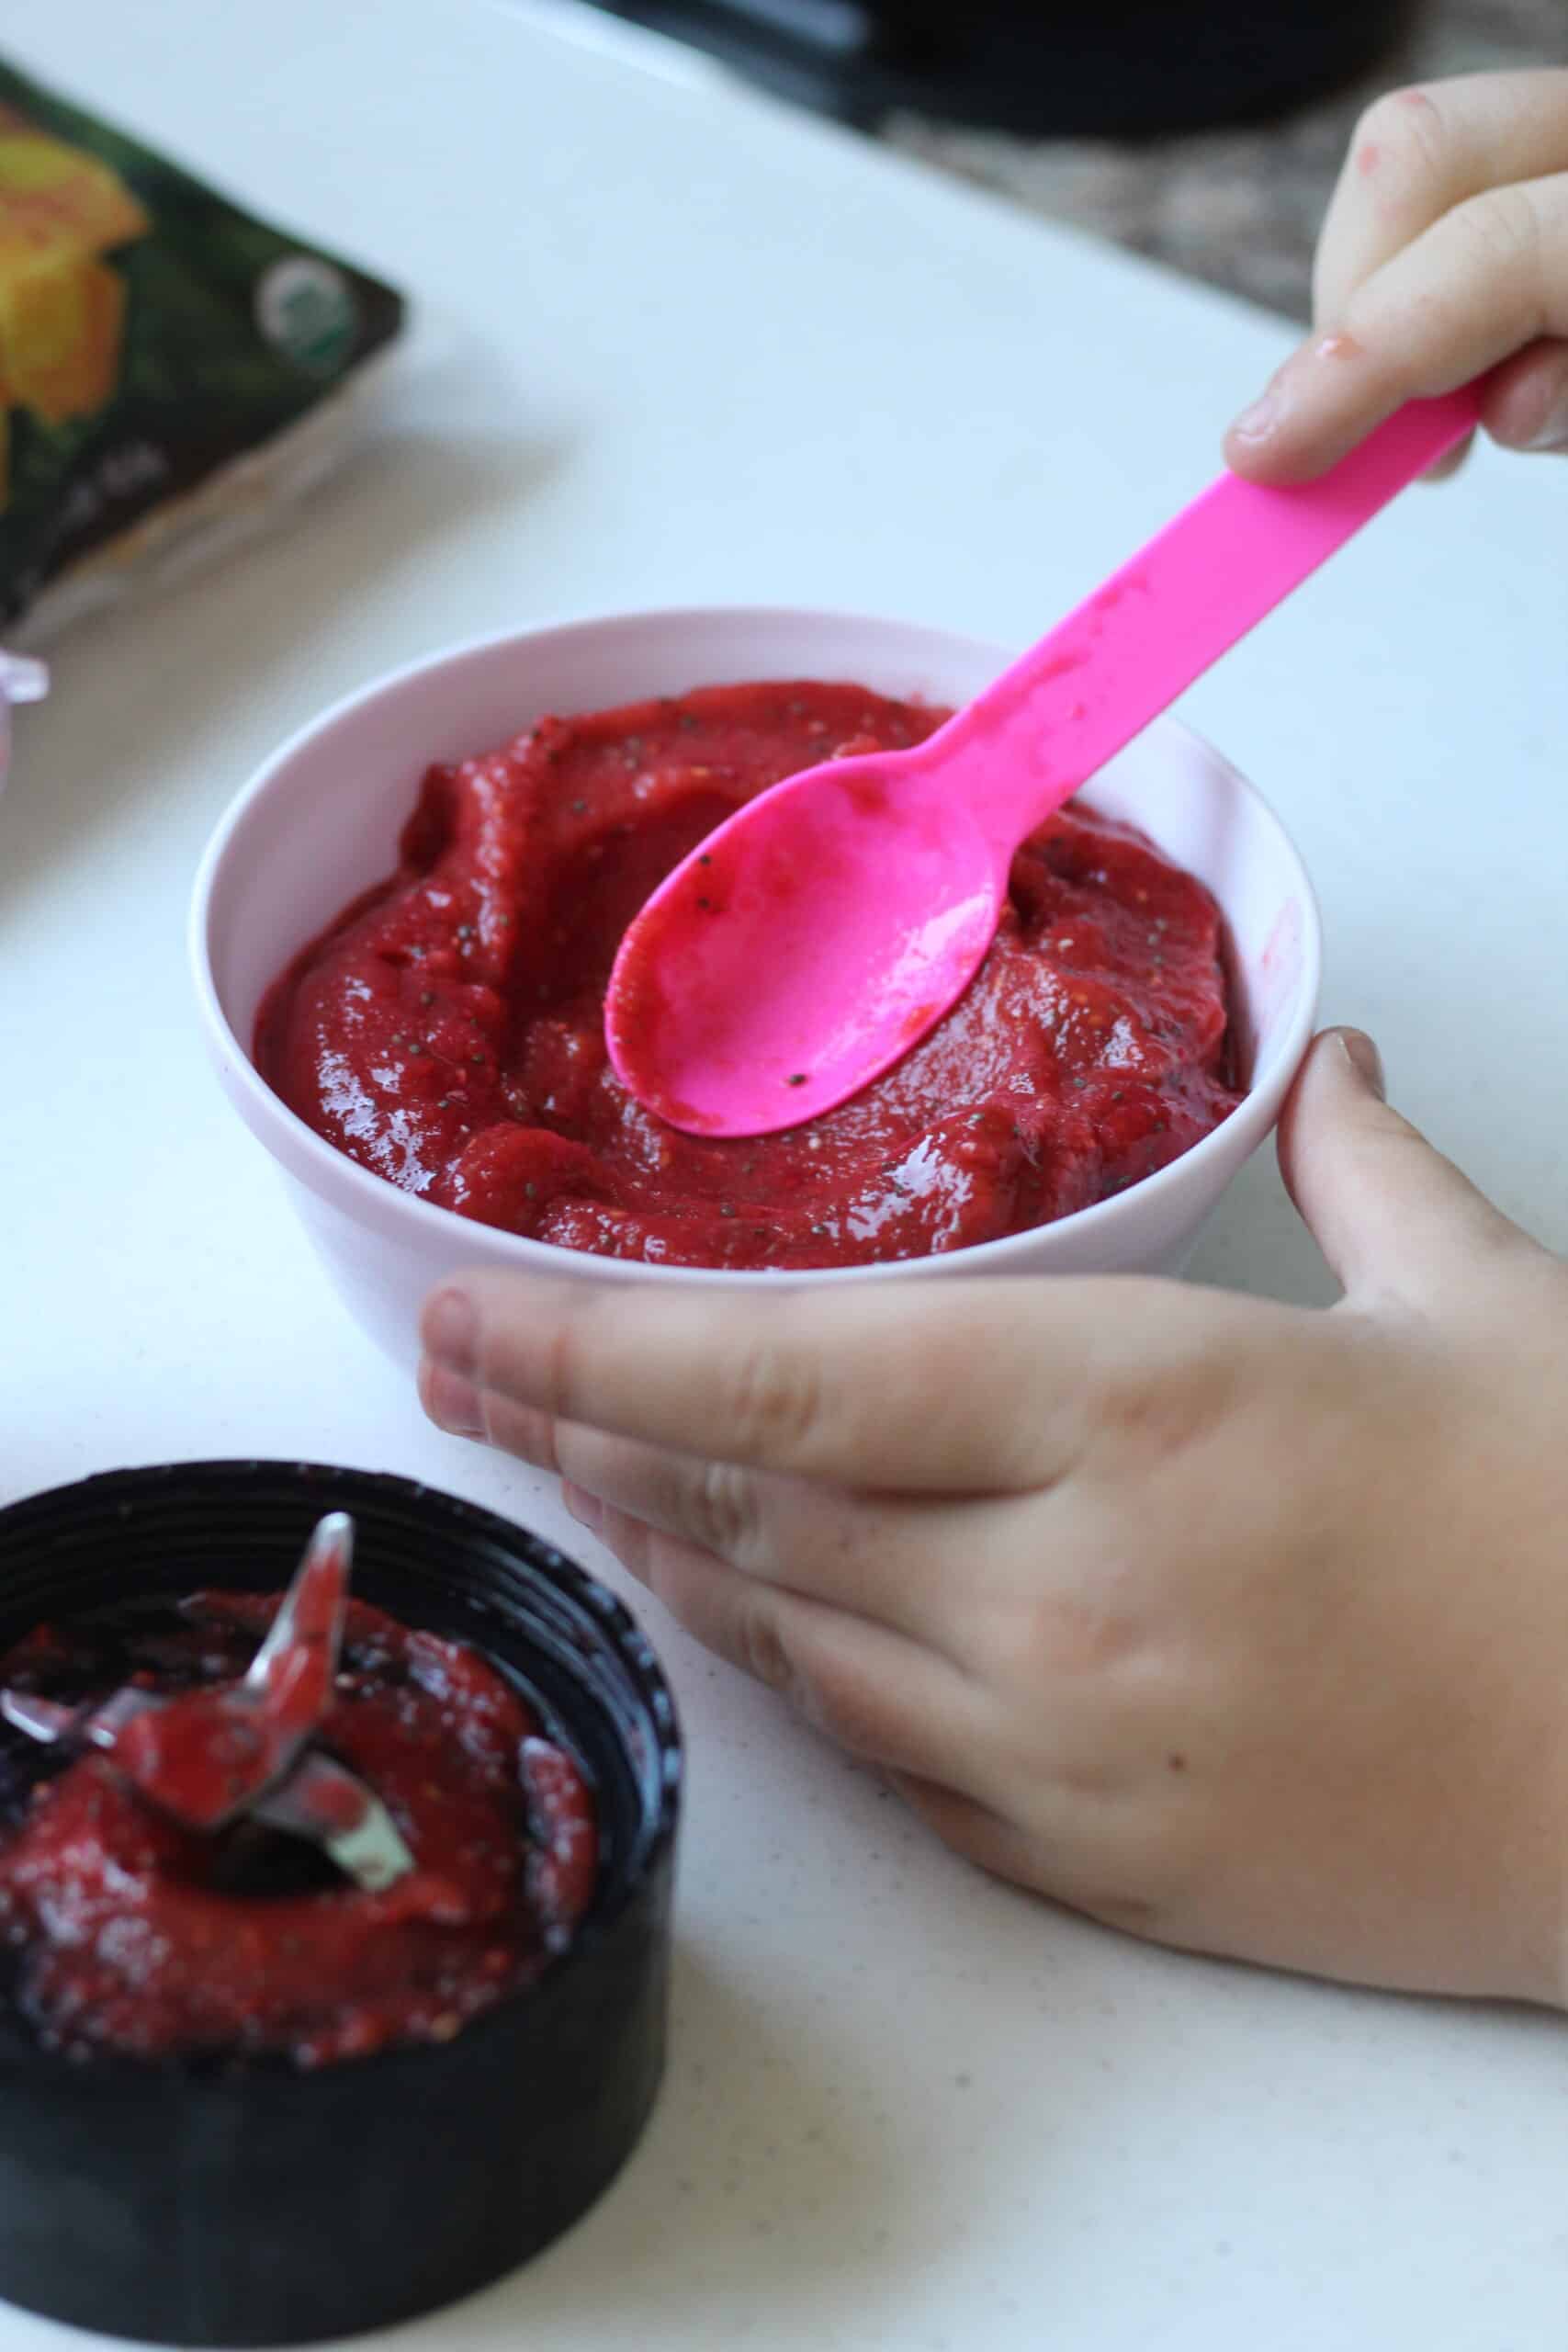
(446,1031)
(130,1932)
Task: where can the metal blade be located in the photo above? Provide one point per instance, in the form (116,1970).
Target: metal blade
(42,1719)
(53,1719)
(299,1660)
(331,1806)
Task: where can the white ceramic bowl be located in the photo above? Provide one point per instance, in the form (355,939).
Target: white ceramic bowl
(319,822)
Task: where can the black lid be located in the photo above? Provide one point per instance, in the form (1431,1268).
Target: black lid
(257,2204)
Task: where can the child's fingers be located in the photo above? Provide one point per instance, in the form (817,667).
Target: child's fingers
(1446,467)
(916,1386)
(873,1691)
(1072,1855)
(1488,278)
(1390,1214)
(1418,153)
(907,1561)
(1525,406)
(1526,401)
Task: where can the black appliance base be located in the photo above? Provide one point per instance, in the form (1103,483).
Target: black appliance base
(1107,68)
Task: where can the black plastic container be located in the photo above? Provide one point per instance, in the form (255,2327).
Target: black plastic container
(257,2204)
(1126,68)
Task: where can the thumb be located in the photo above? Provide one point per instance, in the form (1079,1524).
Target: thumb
(1389,1213)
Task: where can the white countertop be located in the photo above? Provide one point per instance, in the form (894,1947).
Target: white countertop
(685,346)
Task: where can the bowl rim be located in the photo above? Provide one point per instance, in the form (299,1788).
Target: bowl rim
(18,2048)
(337,1179)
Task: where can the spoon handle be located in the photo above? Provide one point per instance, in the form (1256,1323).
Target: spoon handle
(1157,625)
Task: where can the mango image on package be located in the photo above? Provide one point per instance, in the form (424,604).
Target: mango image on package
(62,301)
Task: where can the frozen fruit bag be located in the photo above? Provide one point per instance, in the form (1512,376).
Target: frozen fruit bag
(173,371)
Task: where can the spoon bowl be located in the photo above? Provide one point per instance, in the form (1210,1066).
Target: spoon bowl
(688,1012)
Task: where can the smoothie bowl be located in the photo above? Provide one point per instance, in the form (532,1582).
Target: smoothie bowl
(402,928)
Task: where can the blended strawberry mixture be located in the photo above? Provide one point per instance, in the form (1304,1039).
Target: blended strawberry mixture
(127,1930)
(446,1031)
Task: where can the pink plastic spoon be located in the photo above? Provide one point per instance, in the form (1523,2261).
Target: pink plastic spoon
(820,932)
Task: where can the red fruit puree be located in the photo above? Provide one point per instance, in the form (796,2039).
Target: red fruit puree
(130,1932)
(447,1030)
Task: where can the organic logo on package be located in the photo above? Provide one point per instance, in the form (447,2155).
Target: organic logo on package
(306,307)
(61,304)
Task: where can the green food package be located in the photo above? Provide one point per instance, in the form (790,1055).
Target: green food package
(173,371)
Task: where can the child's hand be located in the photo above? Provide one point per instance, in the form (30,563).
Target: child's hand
(1445,254)
(1239,1626)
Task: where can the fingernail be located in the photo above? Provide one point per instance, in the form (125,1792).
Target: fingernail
(1365,1060)
(586,1509)
(453,1402)
(1257,423)
(1552,433)
(450,1330)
